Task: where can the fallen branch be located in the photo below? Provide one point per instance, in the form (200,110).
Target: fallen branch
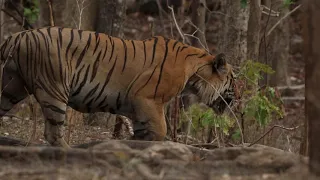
(295,87)
(278,126)
(299,98)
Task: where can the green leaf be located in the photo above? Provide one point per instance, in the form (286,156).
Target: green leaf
(236,135)
(243,3)
(287,3)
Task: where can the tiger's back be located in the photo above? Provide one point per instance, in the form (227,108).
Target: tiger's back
(93,72)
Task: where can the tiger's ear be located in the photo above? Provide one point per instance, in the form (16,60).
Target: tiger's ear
(220,63)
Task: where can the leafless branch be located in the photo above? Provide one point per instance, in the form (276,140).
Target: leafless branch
(11,15)
(278,126)
(81,7)
(176,23)
(284,17)
(269,11)
(295,87)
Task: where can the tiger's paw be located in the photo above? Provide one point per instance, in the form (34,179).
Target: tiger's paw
(144,134)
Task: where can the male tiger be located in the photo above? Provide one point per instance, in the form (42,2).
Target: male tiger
(94,72)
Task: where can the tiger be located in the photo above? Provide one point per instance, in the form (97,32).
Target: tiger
(94,72)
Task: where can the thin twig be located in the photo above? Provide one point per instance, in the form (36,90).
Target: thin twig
(278,126)
(177,26)
(11,15)
(284,17)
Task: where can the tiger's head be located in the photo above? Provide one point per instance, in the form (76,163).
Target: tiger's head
(213,83)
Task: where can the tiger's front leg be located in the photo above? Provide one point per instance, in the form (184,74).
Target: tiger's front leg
(54,112)
(149,123)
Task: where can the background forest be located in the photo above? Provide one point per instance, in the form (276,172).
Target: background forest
(261,39)
(264,134)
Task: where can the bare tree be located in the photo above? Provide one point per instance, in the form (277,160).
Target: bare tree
(253,35)
(111,15)
(274,46)
(198,19)
(234,42)
(311,37)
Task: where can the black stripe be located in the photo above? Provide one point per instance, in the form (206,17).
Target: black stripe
(125,55)
(50,93)
(49,33)
(80,33)
(112,44)
(184,47)
(154,49)
(189,55)
(174,45)
(83,82)
(102,102)
(60,36)
(105,50)
(107,79)
(69,44)
(95,67)
(147,80)
(83,51)
(161,68)
(203,55)
(90,93)
(74,52)
(131,85)
(118,102)
(52,107)
(78,76)
(27,68)
(145,53)
(97,42)
(62,78)
(134,49)
(54,122)
(175,60)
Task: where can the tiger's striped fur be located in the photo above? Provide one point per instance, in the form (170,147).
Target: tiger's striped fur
(94,72)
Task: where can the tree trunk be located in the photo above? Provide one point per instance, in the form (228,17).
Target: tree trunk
(198,19)
(253,34)
(311,37)
(234,43)
(111,16)
(278,46)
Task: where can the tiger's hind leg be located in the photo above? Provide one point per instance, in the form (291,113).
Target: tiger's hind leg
(13,91)
(149,123)
(54,112)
